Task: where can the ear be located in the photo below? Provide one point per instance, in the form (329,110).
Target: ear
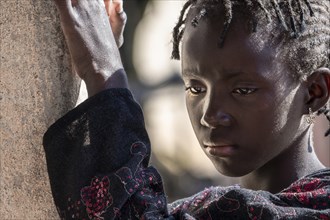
(318,89)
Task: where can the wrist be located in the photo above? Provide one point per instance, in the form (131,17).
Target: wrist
(99,82)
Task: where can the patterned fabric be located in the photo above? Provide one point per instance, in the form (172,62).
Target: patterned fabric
(97,158)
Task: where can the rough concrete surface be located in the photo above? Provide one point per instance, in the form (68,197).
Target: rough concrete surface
(36,88)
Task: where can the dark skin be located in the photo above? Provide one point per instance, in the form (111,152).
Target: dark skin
(93,31)
(246,111)
(248,115)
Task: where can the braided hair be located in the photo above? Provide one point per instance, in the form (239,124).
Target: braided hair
(300,29)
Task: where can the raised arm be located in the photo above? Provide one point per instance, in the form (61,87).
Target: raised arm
(98,153)
(92,43)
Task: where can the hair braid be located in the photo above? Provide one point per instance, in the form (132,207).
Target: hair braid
(292,22)
(253,6)
(311,51)
(279,14)
(201,14)
(261,5)
(250,5)
(301,13)
(177,33)
(309,7)
(228,18)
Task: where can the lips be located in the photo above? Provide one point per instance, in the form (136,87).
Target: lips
(220,149)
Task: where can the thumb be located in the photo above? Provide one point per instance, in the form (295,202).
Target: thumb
(113,6)
(118,6)
(117,18)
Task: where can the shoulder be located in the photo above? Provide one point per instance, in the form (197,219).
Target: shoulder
(314,181)
(311,191)
(307,196)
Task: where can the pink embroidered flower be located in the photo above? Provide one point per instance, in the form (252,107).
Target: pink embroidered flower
(303,198)
(305,185)
(312,185)
(96,197)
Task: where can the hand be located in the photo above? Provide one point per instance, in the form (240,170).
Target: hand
(92,45)
(117,18)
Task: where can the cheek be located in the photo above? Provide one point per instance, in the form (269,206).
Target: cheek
(194,113)
(279,122)
(261,123)
(286,111)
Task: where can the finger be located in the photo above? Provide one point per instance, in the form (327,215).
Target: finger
(118,28)
(118,6)
(117,18)
(113,6)
(117,11)
(109,7)
(122,17)
(107,4)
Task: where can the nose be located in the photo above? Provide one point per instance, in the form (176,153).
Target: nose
(214,115)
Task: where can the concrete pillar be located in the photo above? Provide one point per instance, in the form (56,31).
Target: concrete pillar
(36,88)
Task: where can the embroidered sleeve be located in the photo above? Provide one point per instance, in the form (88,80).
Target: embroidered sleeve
(97,159)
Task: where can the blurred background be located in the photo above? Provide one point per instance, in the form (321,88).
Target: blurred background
(37,87)
(155,82)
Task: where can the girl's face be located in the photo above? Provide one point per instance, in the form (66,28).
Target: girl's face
(244,107)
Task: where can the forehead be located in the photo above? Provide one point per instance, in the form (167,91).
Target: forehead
(254,24)
(242,48)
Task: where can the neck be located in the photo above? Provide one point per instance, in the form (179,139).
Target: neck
(297,161)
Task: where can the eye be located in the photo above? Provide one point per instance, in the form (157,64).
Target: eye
(244,91)
(195,90)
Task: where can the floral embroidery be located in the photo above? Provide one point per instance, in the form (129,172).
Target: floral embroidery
(132,179)
(305,191)
(139,148)
(127,179)
(96,197)
(75,209)
(306,185)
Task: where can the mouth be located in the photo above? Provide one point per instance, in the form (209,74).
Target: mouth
(220,149)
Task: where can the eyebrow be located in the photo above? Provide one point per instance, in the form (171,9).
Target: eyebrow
(189,72)
(228,75)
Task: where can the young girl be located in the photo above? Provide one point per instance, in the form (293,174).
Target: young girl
(255,72)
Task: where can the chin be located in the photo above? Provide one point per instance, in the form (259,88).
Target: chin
(231,171)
